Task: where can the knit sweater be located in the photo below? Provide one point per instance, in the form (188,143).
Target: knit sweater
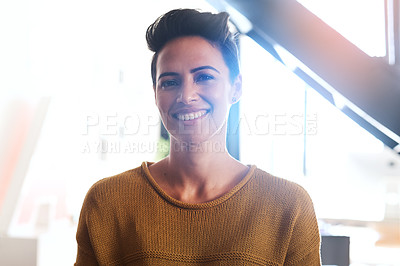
(128,219)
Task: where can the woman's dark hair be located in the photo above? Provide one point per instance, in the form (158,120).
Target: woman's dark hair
(190,22)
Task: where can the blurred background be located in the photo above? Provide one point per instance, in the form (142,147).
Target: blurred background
(77,105)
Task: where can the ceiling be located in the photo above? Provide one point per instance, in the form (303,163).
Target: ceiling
(367,89)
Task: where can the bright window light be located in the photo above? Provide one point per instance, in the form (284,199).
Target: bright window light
(362,22)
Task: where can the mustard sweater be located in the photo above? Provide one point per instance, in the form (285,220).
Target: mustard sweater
(128,219)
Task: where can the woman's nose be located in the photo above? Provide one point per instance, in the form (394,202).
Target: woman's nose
(188,93)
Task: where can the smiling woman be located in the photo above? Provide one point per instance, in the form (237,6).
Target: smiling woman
(193,91)
(198,205)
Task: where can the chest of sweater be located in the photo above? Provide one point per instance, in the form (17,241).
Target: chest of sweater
(145,229)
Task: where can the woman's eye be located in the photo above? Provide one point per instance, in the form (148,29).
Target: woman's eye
(204,77)
(169,83)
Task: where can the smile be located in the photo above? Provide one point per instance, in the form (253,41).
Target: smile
(191,116)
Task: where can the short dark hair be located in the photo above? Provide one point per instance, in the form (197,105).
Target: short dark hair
(191,22)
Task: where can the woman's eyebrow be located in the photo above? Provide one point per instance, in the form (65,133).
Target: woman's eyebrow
(167,74)
(204,67)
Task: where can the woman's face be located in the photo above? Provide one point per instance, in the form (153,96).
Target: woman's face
(193,92)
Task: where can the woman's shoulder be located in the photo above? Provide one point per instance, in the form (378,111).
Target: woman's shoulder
(126,176)
(280,187)
(126,180)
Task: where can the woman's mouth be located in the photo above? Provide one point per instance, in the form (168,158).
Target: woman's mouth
(190,116)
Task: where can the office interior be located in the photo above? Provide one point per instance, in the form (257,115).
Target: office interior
(320,107)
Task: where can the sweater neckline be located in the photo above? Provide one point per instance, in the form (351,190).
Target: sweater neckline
(203,205)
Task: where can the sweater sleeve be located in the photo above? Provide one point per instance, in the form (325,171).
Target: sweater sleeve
(85,255)
(304,246)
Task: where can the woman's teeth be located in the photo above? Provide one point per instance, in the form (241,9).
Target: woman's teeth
(191,116)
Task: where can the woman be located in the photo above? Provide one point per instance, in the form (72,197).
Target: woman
(198,205)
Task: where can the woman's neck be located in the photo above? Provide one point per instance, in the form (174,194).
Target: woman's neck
(198,162)
(197,173)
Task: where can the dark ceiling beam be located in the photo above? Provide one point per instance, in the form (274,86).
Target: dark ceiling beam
(369,84)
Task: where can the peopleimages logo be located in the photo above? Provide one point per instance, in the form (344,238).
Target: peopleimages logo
(122,146)
(281,123)
(114,133)
(114,124)
(261,124)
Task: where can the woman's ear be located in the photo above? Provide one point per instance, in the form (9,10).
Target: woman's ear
(236,89)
